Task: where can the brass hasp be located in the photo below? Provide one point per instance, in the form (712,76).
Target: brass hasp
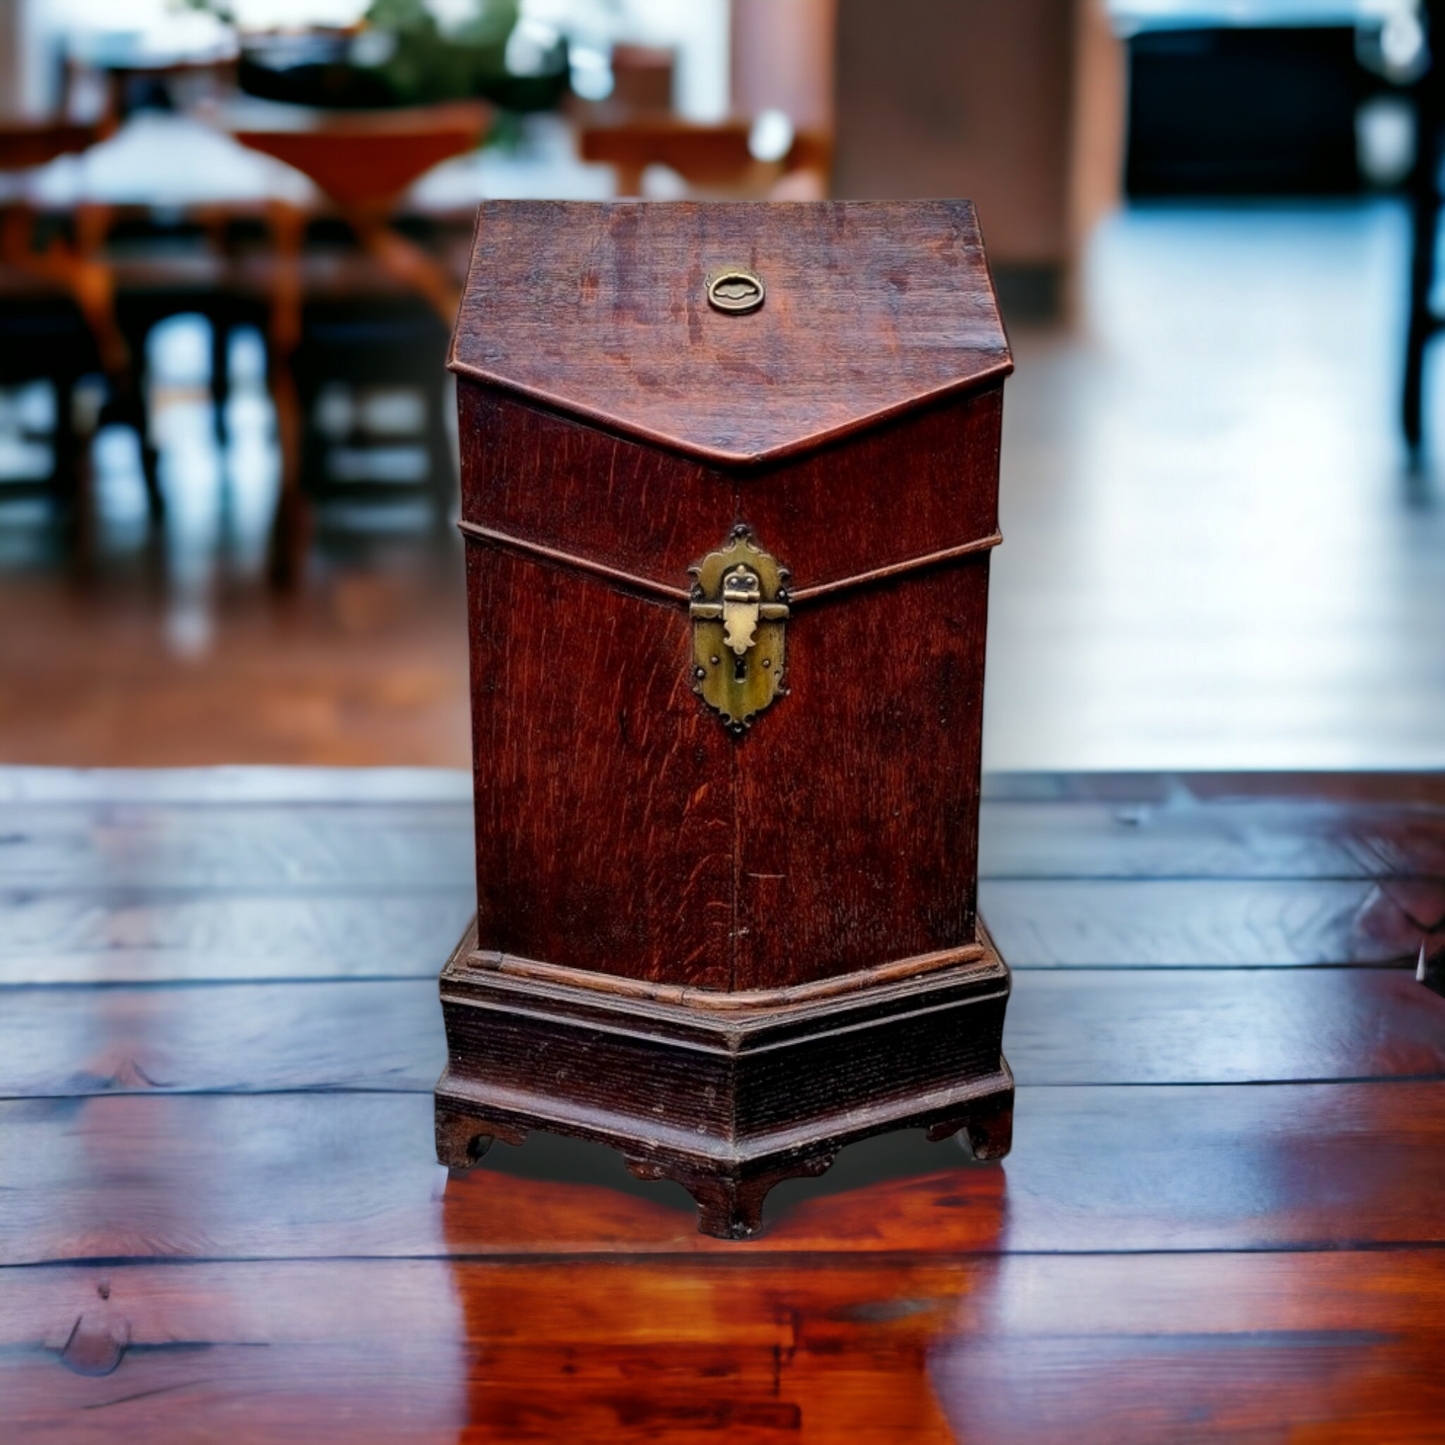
(739,606)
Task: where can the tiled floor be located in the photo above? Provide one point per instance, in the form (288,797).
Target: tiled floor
(1214,554)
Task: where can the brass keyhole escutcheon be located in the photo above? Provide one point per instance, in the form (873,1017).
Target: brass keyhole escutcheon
(739,610)
(735,289)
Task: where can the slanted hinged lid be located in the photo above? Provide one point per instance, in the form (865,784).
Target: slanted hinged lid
(735,332)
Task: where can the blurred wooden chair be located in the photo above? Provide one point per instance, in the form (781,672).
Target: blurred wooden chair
(25,144)
(44,336)
(368,348)
(642,79)
(173,264)
(714,159)
(381,324)
(58,324)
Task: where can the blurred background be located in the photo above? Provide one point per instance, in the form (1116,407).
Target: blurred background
(232,235)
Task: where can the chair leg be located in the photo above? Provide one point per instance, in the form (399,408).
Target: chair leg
(1425,199)
(74,478)
(134,410)
(220,377)
(1419,331)
(64,442)
(82,524)
(65,479)
(290,532)
(151,470)
(1412,400)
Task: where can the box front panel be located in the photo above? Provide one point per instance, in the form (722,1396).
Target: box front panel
(604,807)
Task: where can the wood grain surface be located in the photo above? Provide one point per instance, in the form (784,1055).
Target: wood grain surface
(1214,922)
(129,936)
(1182,837)
(1093,1168)
(618,425)
(66,842)
(1010,1348)
(612,335)
(1064,1028)
(621,828)
(153,934)
(1220,1220)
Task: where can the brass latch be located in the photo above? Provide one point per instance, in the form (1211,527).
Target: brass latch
(739,609)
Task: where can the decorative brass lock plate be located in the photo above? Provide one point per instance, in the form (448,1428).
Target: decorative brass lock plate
(739,612)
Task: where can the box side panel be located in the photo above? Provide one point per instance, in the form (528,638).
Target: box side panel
(857,794)
(603,801)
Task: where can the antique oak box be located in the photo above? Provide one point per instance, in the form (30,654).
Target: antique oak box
(729,489)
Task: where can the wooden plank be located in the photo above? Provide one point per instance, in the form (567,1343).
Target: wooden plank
(1242,1347)
(251,783)
(293,786)
(221,1037)
(1133,1350)
(55,938)
(261,1353)
(1185,837)
(1064,1027)
(1097,1169)
(236,847)
(1149,787)
(273,828)
(1180,1027)
(95,937)
(169,845)
(1132,923)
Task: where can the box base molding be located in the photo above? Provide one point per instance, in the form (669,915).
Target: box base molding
(727,1104)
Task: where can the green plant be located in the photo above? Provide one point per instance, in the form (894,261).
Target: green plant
(427,63)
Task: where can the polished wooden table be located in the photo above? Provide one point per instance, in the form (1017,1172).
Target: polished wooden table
(220,1218)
